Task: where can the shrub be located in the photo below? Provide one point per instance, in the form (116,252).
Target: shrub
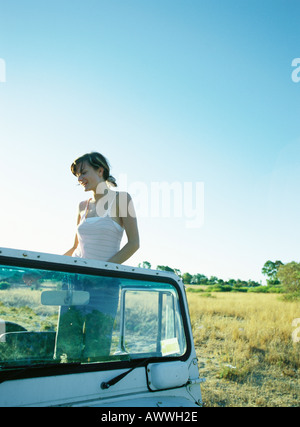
(242,289)
(220,288)
(276,290)
(260,290)
(195,290)
(291,297)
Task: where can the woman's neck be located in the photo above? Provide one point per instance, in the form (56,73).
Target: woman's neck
(101,191)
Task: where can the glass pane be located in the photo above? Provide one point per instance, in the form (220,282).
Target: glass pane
(152,322)
(57,317)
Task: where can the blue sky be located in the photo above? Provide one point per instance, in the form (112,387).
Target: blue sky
(170,90)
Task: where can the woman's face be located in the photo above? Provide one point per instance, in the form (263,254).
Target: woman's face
(88,177)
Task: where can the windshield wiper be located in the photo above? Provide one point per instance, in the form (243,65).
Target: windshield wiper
(107,384)
(9,373)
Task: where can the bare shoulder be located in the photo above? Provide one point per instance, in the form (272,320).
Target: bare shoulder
(82,205)
(124,199)
(125,204)
(123,195)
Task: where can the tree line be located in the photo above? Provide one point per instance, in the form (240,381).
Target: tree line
(281,278)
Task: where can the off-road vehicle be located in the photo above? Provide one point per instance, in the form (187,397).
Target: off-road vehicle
(76,332)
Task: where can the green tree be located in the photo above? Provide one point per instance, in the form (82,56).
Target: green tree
(165,268)
(239,284)
(270,269)
(213,280)
(145,264)
(199,279)
(187,278)
(289,276)
(252,284)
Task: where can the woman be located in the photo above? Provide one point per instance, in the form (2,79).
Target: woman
(84,332)
(103,218)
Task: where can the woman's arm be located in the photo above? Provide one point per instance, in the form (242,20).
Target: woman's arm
(128,216)
(70,251)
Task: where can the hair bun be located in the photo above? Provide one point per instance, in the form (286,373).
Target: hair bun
(112,180)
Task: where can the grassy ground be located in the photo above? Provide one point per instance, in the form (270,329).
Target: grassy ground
(245,349)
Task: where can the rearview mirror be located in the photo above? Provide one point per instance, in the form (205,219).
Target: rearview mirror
(65,298)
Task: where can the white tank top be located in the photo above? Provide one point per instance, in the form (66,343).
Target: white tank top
(99,237)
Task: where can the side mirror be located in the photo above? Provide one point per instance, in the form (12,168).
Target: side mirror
(65,298)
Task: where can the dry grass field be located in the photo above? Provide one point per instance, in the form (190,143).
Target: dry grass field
(245,349)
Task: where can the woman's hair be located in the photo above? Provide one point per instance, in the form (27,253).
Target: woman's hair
(96,160)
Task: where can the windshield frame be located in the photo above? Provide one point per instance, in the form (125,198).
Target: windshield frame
(104,270)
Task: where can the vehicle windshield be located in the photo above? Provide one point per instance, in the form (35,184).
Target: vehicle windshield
(58,317)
